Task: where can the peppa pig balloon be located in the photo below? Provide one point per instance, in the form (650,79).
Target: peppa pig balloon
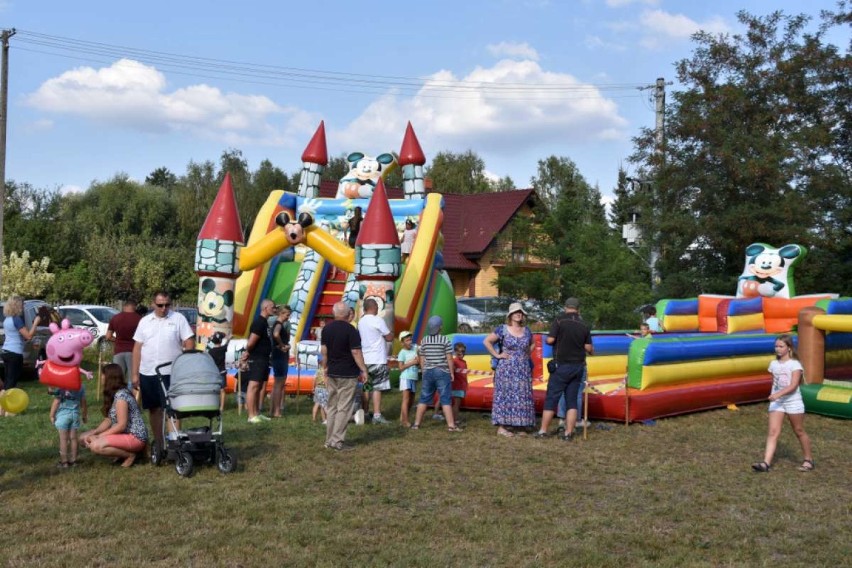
(64,354)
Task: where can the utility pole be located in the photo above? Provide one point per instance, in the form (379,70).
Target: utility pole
(4,105)
(659,138)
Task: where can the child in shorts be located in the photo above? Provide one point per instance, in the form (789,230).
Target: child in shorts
(320,396)
(68,410)
(459,378)
(409,366)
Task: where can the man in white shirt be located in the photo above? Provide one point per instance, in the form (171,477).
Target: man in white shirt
(160,337)
(375,336)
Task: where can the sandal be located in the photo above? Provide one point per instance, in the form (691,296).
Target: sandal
(415,427)
(807,465)
(761,467)
(454,429)
(506,433)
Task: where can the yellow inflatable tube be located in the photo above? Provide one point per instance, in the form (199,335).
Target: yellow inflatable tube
(833,322)
(420,264)
(695,371)
(330,248)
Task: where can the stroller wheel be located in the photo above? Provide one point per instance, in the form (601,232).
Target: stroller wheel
(227,461)
(156,454)
(184,464)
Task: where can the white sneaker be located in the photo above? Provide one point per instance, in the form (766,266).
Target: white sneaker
(255,420)
(359,417)
(583,423)
(379,419)
(437,417)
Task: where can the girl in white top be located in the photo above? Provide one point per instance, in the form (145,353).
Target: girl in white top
(407,241)
(785,398)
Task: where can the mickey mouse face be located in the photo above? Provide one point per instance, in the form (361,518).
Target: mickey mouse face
(767,264)
(294,230)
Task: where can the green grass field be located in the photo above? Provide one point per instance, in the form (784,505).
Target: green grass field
(680,493)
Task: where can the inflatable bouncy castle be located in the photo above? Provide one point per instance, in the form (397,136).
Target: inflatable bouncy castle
(303,251)
(715,350)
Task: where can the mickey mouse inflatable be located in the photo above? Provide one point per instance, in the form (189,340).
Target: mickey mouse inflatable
(769,271)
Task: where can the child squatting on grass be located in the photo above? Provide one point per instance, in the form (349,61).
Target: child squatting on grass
(409,374)
(786,398)
(68,411)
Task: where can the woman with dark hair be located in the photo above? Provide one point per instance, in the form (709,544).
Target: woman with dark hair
(17,334)
(122,434)
(355,226)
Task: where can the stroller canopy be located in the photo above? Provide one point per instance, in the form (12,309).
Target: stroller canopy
(195,373)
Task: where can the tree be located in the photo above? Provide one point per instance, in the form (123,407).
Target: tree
(268,178)
(757,149)
(586,256)
(162,177)
(24,277)
(30,218)
(458,173)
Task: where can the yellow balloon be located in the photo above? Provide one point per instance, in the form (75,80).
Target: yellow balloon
(15,401)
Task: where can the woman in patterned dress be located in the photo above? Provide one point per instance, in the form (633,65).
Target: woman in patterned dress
(122,435)
(513,397)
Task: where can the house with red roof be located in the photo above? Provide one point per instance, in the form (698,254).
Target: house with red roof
(477,232)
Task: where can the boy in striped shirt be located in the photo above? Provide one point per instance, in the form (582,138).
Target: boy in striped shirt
(436,360)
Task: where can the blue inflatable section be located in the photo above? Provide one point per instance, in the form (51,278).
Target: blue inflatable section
(839,307)
(472,342)
(745,307)
(676,350)
(837,341)
(335,207)
(682,307)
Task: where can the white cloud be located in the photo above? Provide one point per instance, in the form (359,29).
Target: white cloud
(134,95)
(594,42)
(513,50)
(510,107)
(68,189)
(661,25)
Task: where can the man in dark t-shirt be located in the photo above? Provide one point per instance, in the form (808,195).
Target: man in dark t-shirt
(121,328)
(572,339)
(257,354)
(344,367)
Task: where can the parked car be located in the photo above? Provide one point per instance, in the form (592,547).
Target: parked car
(191,315)
(470,319)
(86,316)
(34,345)
(539,312)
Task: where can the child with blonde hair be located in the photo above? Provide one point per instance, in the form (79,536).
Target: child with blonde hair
(785,398)
(67,412)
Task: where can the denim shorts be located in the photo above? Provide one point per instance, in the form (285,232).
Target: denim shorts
(436,380)
(458,394)
(67,419)
(566,380)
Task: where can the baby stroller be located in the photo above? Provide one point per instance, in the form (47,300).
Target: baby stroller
(194,392)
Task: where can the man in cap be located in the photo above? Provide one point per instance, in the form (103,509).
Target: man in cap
(436,360)
(572,339)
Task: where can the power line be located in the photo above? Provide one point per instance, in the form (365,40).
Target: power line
(313,79)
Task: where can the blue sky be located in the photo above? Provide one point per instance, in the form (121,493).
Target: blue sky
(514,80)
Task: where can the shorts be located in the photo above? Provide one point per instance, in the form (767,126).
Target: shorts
(67,419)
(321,396)
(280,365)
(378,378)
(258,370)
(789,404)
(565,380)
(126,442)
(125,361)
(436,380)
(458,394)
(407,385)
(152,392)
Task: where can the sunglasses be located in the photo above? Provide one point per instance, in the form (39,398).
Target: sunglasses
(167,305)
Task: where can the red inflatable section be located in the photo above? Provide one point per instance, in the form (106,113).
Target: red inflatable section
(67,378)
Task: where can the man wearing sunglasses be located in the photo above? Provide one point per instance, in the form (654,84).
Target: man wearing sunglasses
(160,337)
